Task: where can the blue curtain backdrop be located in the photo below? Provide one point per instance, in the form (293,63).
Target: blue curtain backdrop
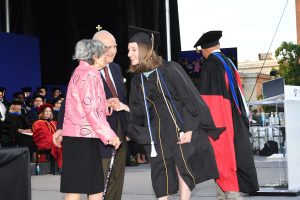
(19,62)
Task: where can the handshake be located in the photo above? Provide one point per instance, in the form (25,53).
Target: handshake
(117,105)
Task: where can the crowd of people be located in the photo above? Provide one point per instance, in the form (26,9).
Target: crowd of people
(188,133)
(193,67)
(29,120)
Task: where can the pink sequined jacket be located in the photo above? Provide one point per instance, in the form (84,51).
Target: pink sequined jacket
(86,109)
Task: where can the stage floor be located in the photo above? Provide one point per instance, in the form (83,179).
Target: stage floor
(138,183)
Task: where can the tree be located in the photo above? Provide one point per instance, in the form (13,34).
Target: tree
(288,56)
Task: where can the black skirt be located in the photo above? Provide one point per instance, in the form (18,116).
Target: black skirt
(82,166)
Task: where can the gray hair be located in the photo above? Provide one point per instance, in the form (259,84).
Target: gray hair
(87,49)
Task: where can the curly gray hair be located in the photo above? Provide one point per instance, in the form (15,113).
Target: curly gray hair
(87,49)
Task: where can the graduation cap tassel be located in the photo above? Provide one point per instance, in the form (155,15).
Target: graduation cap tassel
(153,151)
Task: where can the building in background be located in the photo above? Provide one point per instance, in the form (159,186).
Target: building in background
(252,71)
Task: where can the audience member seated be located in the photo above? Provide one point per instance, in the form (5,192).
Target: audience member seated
(20,133)
(56,107)
(5,137)
(32,115)
(2,107)
(3,130)
(21,96)
(3,100)
(256,118)
(55,92)
(43,130)
(42,91)
(27,95)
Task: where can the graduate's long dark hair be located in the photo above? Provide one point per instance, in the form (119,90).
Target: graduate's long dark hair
(148,59)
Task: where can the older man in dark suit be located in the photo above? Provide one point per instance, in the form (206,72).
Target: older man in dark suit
(114,88)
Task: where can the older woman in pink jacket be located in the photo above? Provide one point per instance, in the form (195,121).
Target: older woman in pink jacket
(85,125)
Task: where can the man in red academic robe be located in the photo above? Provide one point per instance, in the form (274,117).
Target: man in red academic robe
(220,87)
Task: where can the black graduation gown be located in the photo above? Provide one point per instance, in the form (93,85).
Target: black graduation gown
(238,157)
(195,161)
(15,122)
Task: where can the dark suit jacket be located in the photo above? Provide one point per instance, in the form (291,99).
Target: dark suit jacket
(113,119)
(106,150)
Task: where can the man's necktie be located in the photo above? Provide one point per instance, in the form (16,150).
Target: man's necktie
(109,83)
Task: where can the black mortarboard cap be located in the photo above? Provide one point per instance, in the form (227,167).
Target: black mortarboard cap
(17,102)
(2,89)
(209,39)
(16,94)
(26,89)
(143,36)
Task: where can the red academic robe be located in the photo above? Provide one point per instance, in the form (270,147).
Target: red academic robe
(232,150)
(42,135)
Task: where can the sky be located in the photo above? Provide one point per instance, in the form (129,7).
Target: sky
(248,25)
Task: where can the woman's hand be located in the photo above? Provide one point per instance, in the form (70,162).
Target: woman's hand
(57,138)
(112,101)
(117,105)
(121,106)
(115,141)
(185,138)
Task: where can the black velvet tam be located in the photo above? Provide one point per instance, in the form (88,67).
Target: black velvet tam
(209,39)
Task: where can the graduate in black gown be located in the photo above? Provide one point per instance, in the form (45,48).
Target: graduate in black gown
(220,86)
(169,119)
